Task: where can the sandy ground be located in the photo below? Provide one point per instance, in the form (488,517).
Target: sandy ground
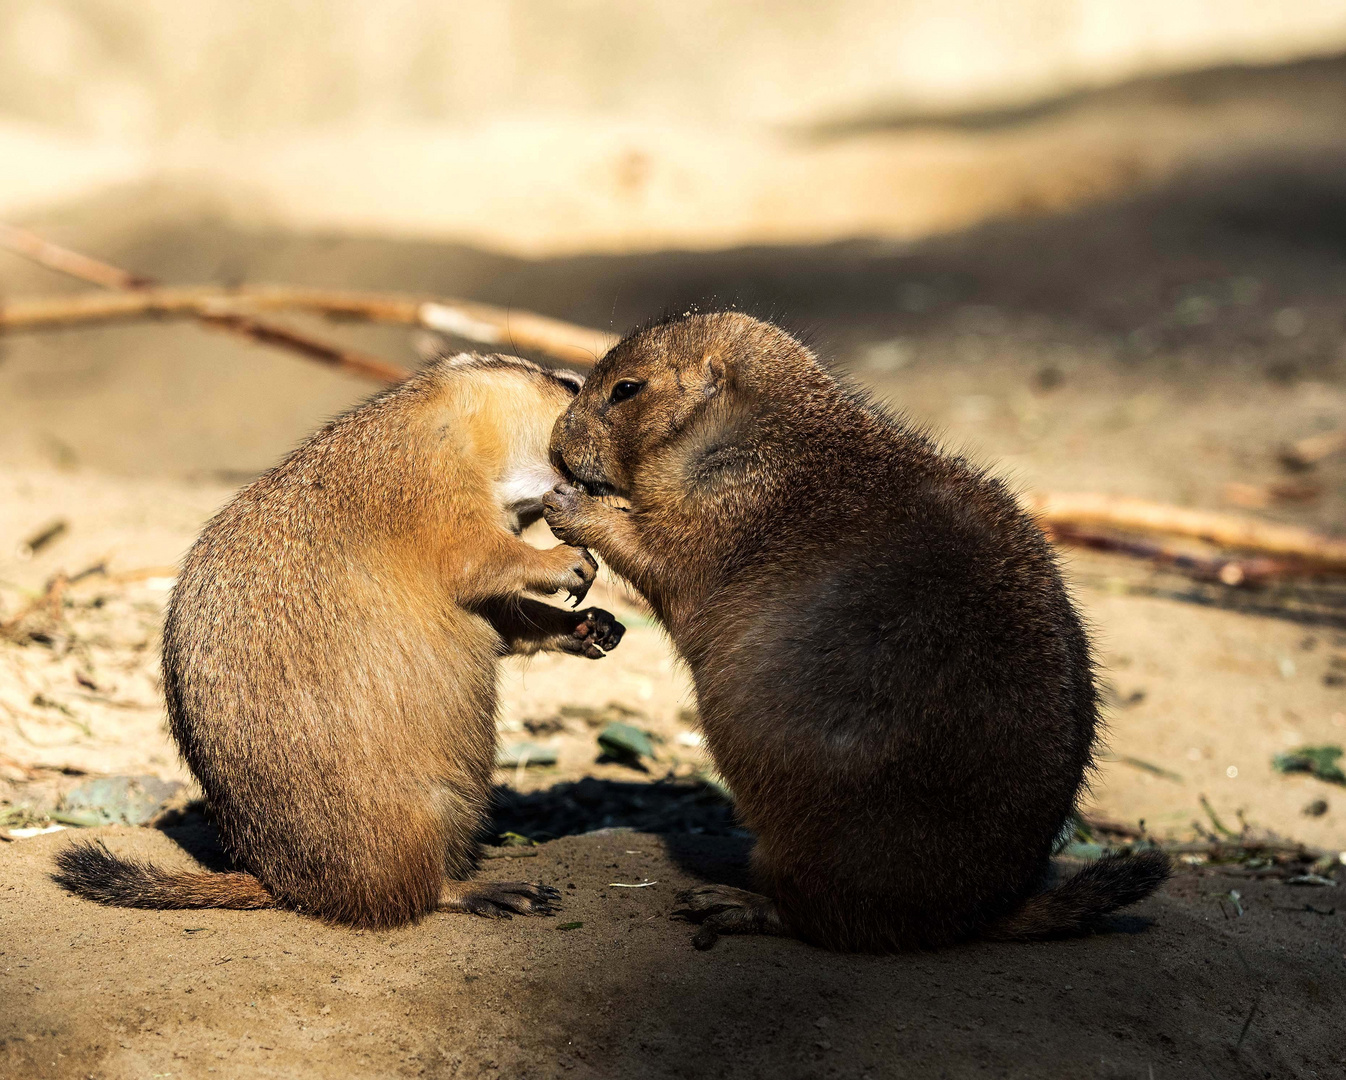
(1162,344)
(611,987)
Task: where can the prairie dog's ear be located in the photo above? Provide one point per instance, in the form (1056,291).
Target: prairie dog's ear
(702,382)
(714,370)
(572,380)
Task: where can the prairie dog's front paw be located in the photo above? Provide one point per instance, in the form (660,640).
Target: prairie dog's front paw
(576,570)
(578,518)
(563,507)
(560,508)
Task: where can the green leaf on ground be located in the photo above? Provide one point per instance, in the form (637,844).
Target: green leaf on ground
(625,742)
(1319,761)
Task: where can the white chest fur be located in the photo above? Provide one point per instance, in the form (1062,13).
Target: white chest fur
(520,492)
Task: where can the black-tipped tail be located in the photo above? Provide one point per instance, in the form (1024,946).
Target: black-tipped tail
(93,872)
(1075,906)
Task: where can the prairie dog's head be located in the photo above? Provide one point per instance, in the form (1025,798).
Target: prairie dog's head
(653,387)
(509,406)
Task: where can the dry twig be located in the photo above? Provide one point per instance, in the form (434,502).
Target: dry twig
(484,324)
(1227,571)
(55,257)
(1098,824)
(1064,513)
(1260,496)
(44,537)
(1234,846)
(52,597)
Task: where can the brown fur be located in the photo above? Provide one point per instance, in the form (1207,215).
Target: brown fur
(890,674)
(330,654)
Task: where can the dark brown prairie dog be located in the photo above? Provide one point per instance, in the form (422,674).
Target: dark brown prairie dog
(330,654)
(890,674)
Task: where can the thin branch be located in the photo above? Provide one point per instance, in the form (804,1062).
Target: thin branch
(1236,846)
(1217,847)
(1078,512)
(1227,571)
(1107,825)
(484,324)
(51,601)
(269,333)
(55,257)
(522,329)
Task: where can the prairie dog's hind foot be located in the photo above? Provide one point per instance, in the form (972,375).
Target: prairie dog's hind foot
(498,899)
(528,626)
(596,634)
(720,909)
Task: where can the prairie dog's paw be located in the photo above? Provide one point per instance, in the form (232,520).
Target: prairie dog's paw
(577,571)
(720,909)
(578,518)
(596,633)
(562,508)
(564,498)
(498,899)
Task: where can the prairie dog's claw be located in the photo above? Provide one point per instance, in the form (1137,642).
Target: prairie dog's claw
(585,570)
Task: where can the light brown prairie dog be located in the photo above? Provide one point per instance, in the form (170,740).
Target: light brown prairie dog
(330,654)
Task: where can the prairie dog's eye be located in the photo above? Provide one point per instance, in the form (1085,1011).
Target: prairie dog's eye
(626,388)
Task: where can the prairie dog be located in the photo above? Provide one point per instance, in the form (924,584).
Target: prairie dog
(890,673)
(330,654)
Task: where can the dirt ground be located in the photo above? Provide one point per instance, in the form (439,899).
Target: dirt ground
(1163,344)
(122,994)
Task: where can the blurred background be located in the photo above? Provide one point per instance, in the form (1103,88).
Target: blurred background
(1097,245)
(913,183)
(903,179)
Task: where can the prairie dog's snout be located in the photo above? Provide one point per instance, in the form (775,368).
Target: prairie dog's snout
(572,451)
